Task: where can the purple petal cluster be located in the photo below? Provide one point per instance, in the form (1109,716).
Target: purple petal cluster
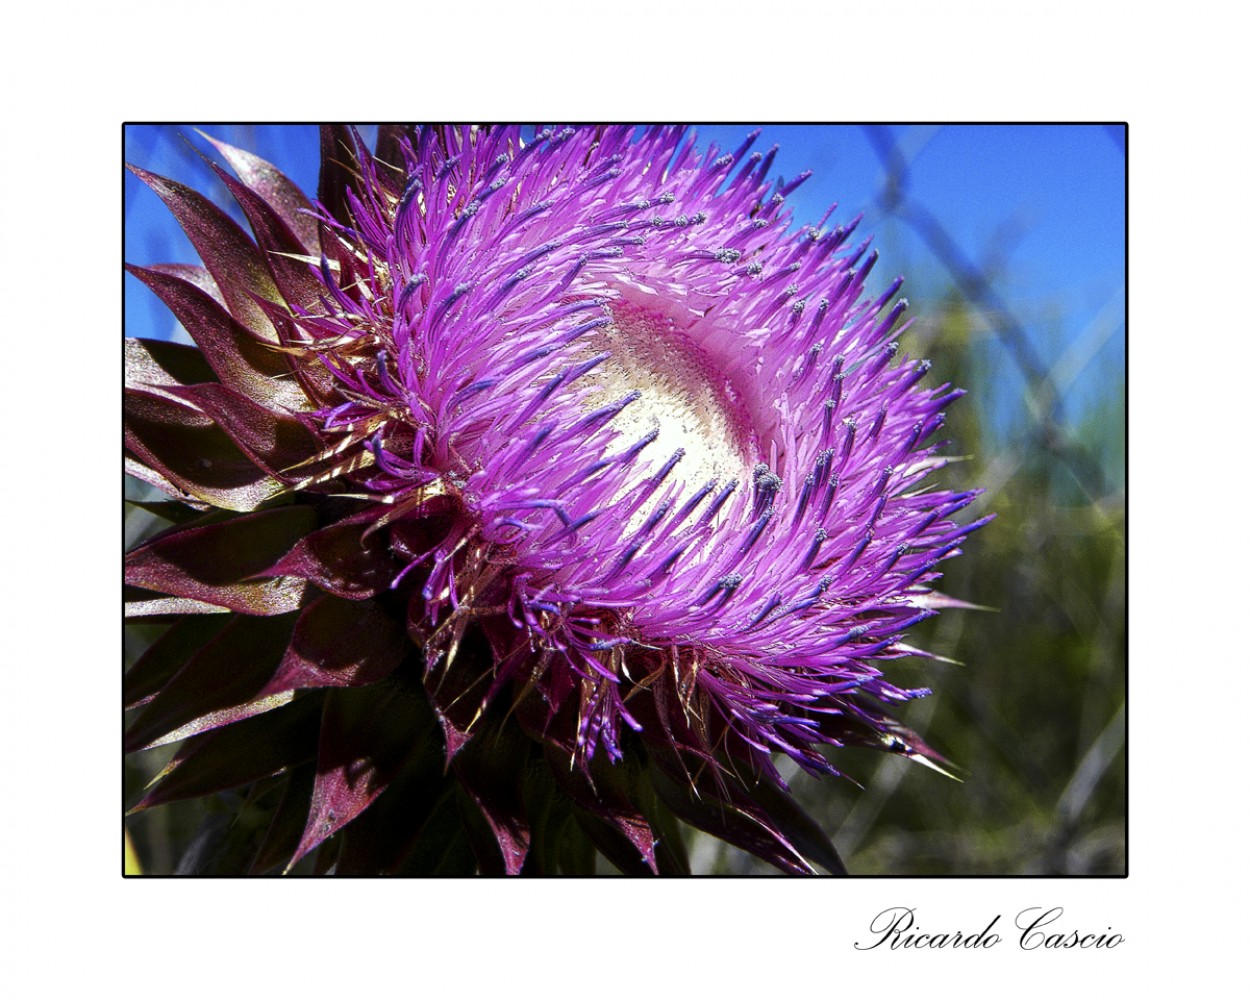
(522,299)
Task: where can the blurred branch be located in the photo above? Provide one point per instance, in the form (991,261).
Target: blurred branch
(1089,773)
(1079,354)
(1086,346)
(1043,397)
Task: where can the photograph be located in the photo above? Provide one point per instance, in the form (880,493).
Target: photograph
(589,500)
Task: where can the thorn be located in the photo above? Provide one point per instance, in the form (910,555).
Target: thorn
(929,764)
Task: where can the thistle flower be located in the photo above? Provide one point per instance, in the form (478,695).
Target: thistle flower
(528,494)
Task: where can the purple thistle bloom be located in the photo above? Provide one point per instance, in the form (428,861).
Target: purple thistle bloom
(568,449)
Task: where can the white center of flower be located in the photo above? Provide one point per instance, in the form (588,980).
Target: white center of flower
(684,397)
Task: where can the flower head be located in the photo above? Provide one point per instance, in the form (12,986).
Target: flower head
(552,473)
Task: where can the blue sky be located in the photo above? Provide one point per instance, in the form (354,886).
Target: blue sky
(1047,203)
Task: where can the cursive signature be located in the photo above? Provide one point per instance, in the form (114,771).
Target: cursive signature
(896,927)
